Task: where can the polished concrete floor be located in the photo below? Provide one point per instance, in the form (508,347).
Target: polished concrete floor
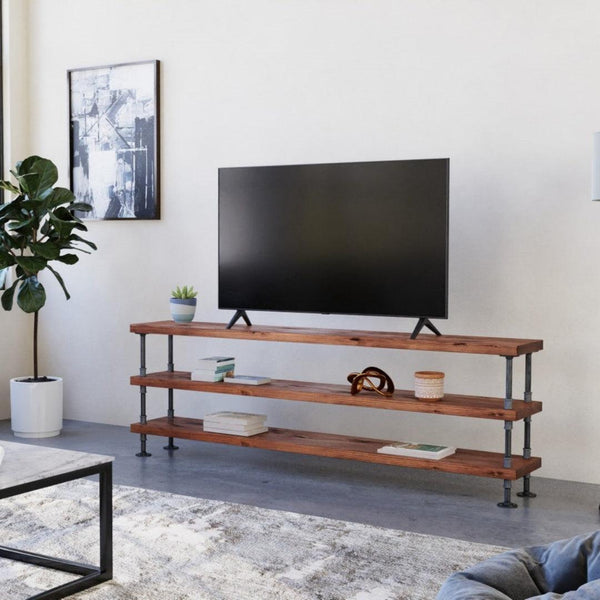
(441,504)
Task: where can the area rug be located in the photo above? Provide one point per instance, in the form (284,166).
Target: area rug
(173,547)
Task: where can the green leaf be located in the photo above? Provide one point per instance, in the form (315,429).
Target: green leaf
(77,238)
(61,227)
(31,296)
(37,176)
(10,210)
(20,225)
(48,250)
(60,196)
(80,206)
(60,280)
(184,292)
(31,264)
(62,213)
(7,296)
(68,259)
(8,186)
(37,226)
(6,260)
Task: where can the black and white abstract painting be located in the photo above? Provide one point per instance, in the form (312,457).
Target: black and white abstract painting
(114,140)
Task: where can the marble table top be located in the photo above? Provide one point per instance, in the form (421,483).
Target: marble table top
(25,463)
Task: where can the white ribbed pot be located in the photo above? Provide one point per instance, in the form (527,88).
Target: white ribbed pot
(36,407)
(429,385)
(183,309)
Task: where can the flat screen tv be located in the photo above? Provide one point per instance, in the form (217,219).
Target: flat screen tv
(362,238)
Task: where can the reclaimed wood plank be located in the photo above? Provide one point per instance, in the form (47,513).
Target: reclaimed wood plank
(403,400)
(336,337)
(467,462)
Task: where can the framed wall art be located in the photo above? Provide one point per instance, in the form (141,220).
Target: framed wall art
(114,141)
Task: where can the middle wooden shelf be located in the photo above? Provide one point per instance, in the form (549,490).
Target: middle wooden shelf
(325,393)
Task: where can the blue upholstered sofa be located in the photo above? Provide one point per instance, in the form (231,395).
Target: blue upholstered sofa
(566,570)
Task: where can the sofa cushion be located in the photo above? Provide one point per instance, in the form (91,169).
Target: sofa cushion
(566,569)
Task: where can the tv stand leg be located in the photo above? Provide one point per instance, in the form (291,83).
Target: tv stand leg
(506,503)
(527,493)
(171,409)
(239,314)
(143,418)
(423,322)
(142,451)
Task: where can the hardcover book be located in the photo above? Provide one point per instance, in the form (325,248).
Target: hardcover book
(223,372)
(202,375)
(416,450)
(233,427)
(225,368)
(248,379)
(227,419)
(212,362)
(246,433)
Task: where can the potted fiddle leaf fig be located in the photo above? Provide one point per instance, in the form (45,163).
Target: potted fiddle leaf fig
(38,230)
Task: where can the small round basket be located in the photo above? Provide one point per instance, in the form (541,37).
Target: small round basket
(429,385)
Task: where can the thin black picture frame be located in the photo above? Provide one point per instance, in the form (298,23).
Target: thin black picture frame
(114,139)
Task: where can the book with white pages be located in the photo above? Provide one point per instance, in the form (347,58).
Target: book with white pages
(248,379)
(233,426)
(416,450)
(247,433)
(212,362)
(201,375)
(228,369)
(235,418)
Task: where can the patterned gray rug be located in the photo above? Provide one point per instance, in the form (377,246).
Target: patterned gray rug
(170,547)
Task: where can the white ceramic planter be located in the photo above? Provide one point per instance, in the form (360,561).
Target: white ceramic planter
(183,309)
(429,385)
(36,408)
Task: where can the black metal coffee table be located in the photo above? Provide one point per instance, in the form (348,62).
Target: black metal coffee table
(26,468)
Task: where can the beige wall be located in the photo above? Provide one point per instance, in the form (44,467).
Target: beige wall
(508,90)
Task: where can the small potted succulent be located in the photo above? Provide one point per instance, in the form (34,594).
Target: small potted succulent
(183,304)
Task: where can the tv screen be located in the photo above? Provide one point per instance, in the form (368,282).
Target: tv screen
(363,238)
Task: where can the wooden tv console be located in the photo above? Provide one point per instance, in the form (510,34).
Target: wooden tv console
(506,466)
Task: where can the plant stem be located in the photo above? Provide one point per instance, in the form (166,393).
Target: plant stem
(35,345)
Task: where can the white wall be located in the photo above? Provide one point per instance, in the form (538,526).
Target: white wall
(508,90)
(16,327)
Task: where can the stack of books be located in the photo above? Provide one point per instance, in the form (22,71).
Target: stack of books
(415,450)
(214,368)
(235,423)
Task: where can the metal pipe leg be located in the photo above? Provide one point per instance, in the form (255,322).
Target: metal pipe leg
(171,414)
(526,493)
(507,444)
(509,380)
(170,410)
(507,502)
(171,445)
(142,451)
(508,435)
(143,420)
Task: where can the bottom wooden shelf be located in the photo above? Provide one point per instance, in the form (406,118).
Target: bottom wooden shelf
(467,462)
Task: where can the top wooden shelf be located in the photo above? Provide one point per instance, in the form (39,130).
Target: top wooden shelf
(339,337)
